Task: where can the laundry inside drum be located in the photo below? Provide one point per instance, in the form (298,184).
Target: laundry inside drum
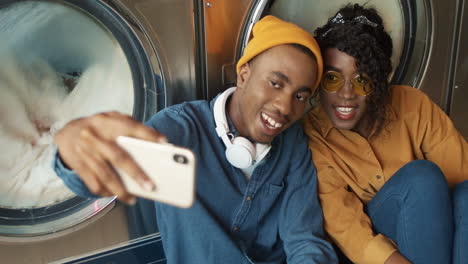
(57,64)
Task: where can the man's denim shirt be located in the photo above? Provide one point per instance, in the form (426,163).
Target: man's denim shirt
(273,218)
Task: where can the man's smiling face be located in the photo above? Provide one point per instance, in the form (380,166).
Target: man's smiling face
(272,90)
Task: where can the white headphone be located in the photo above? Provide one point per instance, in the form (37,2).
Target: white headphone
(240,152)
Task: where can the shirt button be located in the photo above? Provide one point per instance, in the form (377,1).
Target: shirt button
(378,177)
(248,198)
(236,228)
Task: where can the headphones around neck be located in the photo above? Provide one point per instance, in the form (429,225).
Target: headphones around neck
(240,152)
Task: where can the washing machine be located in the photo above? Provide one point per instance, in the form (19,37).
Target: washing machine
(428,38)
(66,59)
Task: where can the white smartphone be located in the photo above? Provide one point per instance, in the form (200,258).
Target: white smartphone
(171,168)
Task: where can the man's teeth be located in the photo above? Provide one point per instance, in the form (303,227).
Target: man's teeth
(271,122)
(345,110)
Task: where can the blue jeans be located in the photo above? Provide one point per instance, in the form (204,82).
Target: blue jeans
(414,209)
(460,208)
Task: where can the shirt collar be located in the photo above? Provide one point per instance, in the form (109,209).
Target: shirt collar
(319,119)
(323,124)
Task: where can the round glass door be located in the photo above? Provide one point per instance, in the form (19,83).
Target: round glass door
(61,60)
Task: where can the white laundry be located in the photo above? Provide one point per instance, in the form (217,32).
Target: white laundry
(35,102)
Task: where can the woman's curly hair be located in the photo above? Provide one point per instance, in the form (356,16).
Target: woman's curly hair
(367,42)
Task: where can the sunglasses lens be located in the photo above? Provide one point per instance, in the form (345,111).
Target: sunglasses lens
(362,85)
(332,81)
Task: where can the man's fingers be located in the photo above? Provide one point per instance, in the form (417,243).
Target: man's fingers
(123,125)
(118,158)
(149,134)
(104,179)
(88,147)
(140,131)
(95,172)
(89,179)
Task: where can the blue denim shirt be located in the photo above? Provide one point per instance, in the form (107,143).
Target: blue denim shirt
(273,218)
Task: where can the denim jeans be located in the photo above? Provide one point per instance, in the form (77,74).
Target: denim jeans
(414,209)
(460,208)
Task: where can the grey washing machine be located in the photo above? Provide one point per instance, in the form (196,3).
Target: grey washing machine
(62,60)
(428,35)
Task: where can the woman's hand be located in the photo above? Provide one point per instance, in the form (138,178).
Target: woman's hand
(88,146)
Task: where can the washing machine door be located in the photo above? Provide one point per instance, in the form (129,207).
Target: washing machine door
(422,33)
(65,59)
(62,60)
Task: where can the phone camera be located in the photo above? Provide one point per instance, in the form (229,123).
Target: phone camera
(180,159)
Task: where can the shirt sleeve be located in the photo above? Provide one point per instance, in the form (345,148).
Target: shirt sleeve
(301,219)
(442,143)
(346,222)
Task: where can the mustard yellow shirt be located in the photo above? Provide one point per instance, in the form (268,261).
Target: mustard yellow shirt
(352,169)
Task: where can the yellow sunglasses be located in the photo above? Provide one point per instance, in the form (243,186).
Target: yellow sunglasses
(332,81)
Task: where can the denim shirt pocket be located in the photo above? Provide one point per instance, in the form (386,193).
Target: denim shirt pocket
(269,194)
(268,216)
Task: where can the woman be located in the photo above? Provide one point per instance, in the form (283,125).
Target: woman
(388,158)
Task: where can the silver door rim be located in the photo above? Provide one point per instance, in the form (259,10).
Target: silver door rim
(33,224)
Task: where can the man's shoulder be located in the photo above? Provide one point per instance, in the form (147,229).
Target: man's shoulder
(183,114)
(186,107)
(182,122)
(293,136)
(294,129)
(186,111)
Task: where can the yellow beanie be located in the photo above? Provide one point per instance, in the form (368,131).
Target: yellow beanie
(271,31)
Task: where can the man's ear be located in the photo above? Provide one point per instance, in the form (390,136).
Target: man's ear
(243,75)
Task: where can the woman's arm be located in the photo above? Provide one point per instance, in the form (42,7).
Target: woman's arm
(345,219)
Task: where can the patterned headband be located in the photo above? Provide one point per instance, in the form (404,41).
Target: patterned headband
(338,19)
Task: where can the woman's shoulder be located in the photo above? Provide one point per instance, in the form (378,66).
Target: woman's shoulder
(408,98)
(407,93)
(411,106)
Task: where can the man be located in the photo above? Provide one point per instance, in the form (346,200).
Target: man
(257,205)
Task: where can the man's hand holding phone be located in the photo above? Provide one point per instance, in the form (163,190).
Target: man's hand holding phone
(171,167)
(88,146)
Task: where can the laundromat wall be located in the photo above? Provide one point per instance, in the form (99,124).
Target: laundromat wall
(181,50)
